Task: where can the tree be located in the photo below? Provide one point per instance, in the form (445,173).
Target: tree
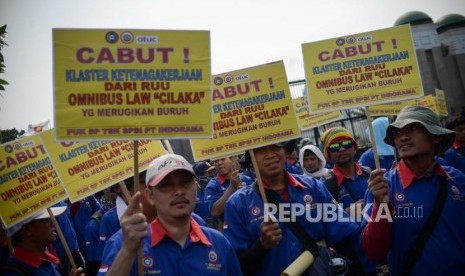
(2,66)
(8,135)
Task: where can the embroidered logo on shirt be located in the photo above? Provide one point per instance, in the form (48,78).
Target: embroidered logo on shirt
(308,199)
(457,194)
(255,211)
(399,197)
(148,262)
(212,256)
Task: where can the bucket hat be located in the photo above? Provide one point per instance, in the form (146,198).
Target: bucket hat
(424,116)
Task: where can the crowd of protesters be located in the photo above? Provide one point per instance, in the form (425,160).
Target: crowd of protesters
(210,217)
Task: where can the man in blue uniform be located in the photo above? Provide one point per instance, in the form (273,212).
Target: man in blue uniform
(413,188)
(223,185)
(347,181)
(30,239)
(268,248)
(173,244)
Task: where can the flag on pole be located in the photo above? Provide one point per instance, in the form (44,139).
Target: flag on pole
(37,128)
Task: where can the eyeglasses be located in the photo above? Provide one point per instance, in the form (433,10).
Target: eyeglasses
(347,144)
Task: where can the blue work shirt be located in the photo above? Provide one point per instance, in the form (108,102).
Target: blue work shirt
(413,199)
(358,186)
(33,263)
(91,235)
(67,228)
(215,189)
(108,226)
(81,212)
(201,207)
(244,214)
(206,252)
(455,156)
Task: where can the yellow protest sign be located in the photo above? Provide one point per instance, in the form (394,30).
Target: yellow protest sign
(441,102)
(306,120)
(131,84)
(362,69)
(251,107)
(28,180)
(392,109)
(88,167)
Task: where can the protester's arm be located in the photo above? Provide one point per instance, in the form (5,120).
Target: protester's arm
(270,237)
(218,206)
(376,236)
(249,247)
(134,227)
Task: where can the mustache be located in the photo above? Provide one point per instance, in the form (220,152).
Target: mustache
(180,200)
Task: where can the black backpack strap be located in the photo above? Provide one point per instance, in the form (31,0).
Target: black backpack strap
(308,242)
(331,184)
(420,242)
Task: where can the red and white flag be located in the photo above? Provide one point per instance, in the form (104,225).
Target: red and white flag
(37,128)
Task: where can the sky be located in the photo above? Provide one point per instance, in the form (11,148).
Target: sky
(243,33)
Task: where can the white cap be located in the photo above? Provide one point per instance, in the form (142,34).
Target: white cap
(160,167)
(43,214)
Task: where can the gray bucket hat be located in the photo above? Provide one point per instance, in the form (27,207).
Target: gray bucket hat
(424,116)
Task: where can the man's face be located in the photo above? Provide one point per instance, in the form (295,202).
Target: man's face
(311,163)
(414,140)
(174,197)
(270,160)
(43,231)
(342,152)
(460,134)
(224,166)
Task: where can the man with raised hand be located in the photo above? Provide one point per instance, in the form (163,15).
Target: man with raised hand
(174,243)
(227,180)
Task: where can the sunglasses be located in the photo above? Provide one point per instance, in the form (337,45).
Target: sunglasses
(347,144)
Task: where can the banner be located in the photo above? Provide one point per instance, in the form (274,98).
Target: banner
(131,84)
(441,102)
(393,109)
(88,167)
(252,107)
(306,120)
(28,180)
(361,70)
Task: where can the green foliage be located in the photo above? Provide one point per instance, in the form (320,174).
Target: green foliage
(2,66)
(7,135)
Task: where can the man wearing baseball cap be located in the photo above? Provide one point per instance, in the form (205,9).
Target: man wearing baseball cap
(417,242)
(30,239)
(174,243)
